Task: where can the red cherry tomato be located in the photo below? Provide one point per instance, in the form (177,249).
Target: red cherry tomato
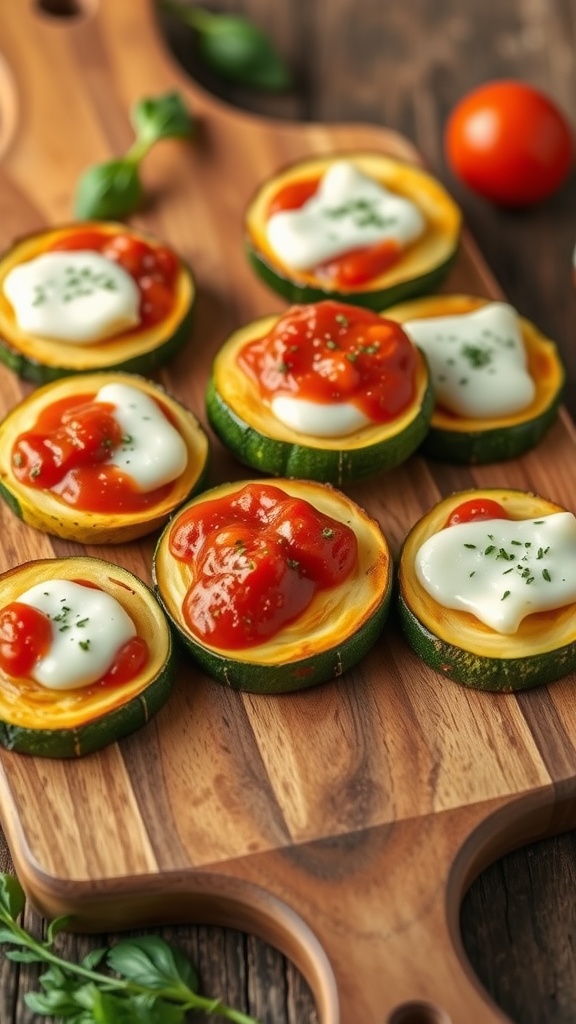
(476,509)
(509,142)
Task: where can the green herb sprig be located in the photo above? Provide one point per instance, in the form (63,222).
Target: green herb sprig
(233,47)
(152,983)
(113,189)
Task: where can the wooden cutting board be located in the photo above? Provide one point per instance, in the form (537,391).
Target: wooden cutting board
(342,824)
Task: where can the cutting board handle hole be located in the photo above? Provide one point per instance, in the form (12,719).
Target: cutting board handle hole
(66,8)
(417,1013)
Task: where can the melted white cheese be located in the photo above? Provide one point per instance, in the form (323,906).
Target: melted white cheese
(317,418)
(78,297)
(348,211)
(502,570)
(153,452)
(477,360)
(88,628)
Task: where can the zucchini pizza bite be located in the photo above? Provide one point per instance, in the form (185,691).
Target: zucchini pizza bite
(326,391)
(487,589)
(92,296)
(274,587)
(364,228)
(497,379)
(86,656)
(100,458)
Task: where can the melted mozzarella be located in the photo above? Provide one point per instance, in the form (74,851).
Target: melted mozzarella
(348,211)
(502,570)
(77,297)
(316,418)
(153,452)
(477,360)
(88,628)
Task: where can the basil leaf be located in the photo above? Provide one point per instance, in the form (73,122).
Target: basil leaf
(108,191)
(94,957)
(52,1003)
(12,897)
(161,117)
(56,926)
(152,962)
(239,50)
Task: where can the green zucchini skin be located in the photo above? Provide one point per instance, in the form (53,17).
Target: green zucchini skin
(478,672)
(44,511)
(378,299)
(481,659)
(252,677)
(49,728)
(43,360)
(36,372)
(320,647)
(298,459)
(481,447)
(499,439)
(241,419)
(421,268)
(109,728)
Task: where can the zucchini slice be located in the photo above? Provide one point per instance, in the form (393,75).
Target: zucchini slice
(457,644)
(45,511)
(468,440)
(421,267)
(139,350)
(248,428)
(72,723)
(334,632)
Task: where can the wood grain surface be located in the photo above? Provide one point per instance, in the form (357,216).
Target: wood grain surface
(349,803)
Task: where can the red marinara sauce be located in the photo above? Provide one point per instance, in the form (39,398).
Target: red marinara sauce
(153,267)
(26,636)
(66,451)
(331,352)
(351,269)
(257,557)
(475,510)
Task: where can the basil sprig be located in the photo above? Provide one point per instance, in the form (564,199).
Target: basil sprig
(113,189)
(233,47)
(152,982)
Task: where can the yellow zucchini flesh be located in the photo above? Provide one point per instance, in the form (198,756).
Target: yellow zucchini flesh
(421,267)
(75,722)
(139,350)
(46,511)
(455,643)
(468,440)
(247,426)
(336,630)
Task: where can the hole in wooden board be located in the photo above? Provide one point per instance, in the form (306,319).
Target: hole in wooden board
(418,1013)
(66,8)
(8,106)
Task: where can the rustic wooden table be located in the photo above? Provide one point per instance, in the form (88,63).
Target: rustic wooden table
(404,66)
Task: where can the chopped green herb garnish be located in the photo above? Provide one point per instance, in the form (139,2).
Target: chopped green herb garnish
(505,595)
(546,575)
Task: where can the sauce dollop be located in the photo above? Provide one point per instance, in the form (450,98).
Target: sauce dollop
(153,267)
(66,452)
(330,352)
(351,269)
(257,558)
